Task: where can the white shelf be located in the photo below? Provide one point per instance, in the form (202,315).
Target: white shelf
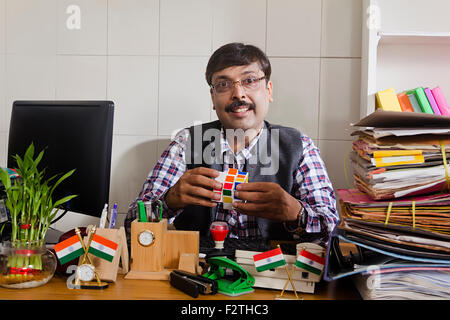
(403,61)
(411,38)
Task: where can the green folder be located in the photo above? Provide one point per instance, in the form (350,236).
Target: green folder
(423,100)
(415,104)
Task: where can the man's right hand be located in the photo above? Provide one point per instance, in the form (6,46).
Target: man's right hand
(195,187)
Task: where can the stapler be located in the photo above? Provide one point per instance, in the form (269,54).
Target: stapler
(191,283)
(239,282)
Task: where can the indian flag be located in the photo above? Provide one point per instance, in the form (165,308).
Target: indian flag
(103,248)
(310,262)
(68,249)
(269,260)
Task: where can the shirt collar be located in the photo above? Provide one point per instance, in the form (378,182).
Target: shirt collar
(246,151)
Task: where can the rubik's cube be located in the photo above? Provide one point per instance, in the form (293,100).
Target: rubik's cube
(230,180)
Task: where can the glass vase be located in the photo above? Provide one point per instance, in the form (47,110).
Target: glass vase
(26,264)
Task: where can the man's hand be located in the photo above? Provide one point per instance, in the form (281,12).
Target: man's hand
(194,188)
(266,200)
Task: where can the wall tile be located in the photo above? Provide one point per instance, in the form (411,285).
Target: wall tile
(133,157)
(31,26)
(186,27)
(293,28)
(339,97)
(3,119)
(29,78)
(133,86)
(183,94)
(163,143)
(81,77)
(2,26)
(341,28)
(91,37)
(239,21)
(3,150)
(335,154)
(414,15)
(133,27)
(295,94)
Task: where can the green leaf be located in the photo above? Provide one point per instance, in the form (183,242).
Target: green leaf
(64,200)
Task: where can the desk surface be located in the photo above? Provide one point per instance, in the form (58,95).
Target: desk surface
(122,289)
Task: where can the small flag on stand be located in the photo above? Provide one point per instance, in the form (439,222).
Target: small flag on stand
(269,260)
(68,249)
(310,262)
(103,248)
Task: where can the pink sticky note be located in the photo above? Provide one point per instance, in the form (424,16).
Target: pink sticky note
(441,102)
(432,101)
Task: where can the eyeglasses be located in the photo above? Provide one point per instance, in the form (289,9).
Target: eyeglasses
(225,86)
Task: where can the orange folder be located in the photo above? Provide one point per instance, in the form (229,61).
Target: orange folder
(405,104)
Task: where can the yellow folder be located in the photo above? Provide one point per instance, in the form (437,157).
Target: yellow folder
(397,157)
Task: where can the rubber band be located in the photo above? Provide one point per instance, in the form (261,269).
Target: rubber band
(414,214)
(388,213)
(444,161)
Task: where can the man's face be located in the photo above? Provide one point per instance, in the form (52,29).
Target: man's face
(241,107)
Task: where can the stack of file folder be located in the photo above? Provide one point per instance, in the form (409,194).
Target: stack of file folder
(393,162)
(397,221)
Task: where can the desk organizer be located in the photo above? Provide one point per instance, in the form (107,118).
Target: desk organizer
(156,251)
(106,270)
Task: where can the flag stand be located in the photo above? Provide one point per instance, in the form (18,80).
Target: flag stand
(86,272)
(289,274)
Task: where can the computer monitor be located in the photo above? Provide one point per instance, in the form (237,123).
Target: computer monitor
(75,135)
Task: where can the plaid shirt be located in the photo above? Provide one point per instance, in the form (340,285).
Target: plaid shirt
(312,187)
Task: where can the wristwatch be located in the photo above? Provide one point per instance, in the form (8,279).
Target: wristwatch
(297,224)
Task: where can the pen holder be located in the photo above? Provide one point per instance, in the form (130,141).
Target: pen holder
(156,251)
(106,270)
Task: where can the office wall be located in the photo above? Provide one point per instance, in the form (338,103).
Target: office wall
(149,57)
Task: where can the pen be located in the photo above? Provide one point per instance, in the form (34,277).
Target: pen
(103,216)
(113,216)
(148,210)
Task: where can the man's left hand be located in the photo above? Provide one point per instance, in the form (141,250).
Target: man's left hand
(266,200)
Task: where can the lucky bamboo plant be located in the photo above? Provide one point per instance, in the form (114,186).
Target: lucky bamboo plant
(30,203)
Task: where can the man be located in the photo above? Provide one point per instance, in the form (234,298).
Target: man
(289,194)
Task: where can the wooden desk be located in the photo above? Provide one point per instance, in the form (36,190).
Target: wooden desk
(123,289)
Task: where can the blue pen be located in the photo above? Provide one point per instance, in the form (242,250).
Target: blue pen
(113,216)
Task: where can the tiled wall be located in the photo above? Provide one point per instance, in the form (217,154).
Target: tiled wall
(149,57)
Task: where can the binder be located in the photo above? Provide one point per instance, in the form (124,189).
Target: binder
(413,100)
(422,100)
(382,255)
(441,102)
(405,104)
(387,100)
(432,101)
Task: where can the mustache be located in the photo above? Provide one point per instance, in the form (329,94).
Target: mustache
(238,103)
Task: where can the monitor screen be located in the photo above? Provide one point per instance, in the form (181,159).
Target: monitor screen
(75,135)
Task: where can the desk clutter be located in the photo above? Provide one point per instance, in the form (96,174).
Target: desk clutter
(397,220)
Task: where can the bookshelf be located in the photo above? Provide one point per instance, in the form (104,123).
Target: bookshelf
(402,60)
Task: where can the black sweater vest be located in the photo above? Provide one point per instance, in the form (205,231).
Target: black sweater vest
(275,158)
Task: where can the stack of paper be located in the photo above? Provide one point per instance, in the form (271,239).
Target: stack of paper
(423,285)
(398,219)
(429,213)
(397,161)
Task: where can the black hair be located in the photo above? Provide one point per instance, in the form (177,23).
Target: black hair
(237,54)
